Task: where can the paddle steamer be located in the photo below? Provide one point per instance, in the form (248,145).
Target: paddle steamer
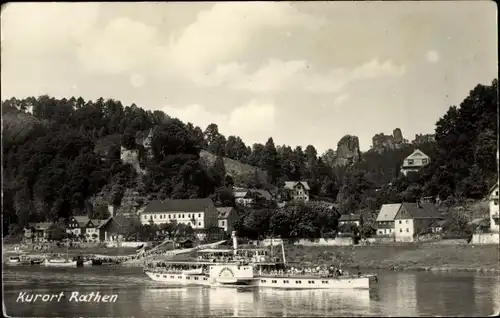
(251,267)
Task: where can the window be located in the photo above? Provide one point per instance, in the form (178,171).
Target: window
(400,230)
(161,216)
(223,223)
(196,278)
(410,161)
(324,282)
(164,276)
(274,281)
(179,276)
(189,215)
(145,217)
(399,221)
(311,282)
(407,230)
(187,277)
(155,216)
(424,161)
(262,280)
(169,216)
(199,223)
(183,216)
(285,281)
(495,202)
(172,276)
(199,215)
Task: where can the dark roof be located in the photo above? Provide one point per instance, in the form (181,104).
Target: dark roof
(422,210)
(438,223)
(189,205)
(350,217)
(224,212)
(292,184)
(41,225)
(82,220)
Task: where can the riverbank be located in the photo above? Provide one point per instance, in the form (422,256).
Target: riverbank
(423,257)
(108,251)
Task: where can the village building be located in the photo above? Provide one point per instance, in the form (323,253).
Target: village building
(385,219)
(413,219)
(437,226)
(297,190)
(38,231)
(493,205)
(354,219)
(244,197)
(227,216)
(247,197)
(415,162)
(200,214)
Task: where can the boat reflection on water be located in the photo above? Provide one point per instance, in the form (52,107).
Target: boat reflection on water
(200,301)
(338,302)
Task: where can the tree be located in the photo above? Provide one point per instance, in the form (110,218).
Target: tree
(270,161)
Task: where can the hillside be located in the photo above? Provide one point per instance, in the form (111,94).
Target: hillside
(66,153)
(240,172)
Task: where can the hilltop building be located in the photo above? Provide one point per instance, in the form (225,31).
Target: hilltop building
(415,162)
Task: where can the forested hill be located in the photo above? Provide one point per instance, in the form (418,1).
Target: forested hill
(52,166)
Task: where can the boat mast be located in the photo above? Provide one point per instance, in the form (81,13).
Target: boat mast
(283,251)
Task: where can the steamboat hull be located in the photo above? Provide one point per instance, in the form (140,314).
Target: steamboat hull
(363,282)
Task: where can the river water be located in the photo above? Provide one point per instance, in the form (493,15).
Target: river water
(397,294)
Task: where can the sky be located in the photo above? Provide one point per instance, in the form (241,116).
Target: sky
(302,73)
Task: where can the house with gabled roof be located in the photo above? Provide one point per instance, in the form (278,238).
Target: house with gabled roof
(413,219)
(227,216)
(415,162)
(38,231)
(385,218)
(297,190)
(77,224)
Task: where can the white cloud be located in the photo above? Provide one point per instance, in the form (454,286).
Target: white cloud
(432,56)
(40,28)
(253,122)
(122,46)
(222,32)
(277,75)
(341,99)
(137,80)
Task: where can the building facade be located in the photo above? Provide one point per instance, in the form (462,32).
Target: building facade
(413,219)
(198,213)
(227,216)
(354,219)
(415,162)
(385,219)
(297,190)
(493,205)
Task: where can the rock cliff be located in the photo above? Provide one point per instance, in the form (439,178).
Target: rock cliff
(382,141)
(347,150)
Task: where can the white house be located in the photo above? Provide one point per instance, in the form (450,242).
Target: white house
(414,162)
(199,213)
(227,215)
(297,190)
(244,197)
(412,219)
(385,218)
(493,198)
